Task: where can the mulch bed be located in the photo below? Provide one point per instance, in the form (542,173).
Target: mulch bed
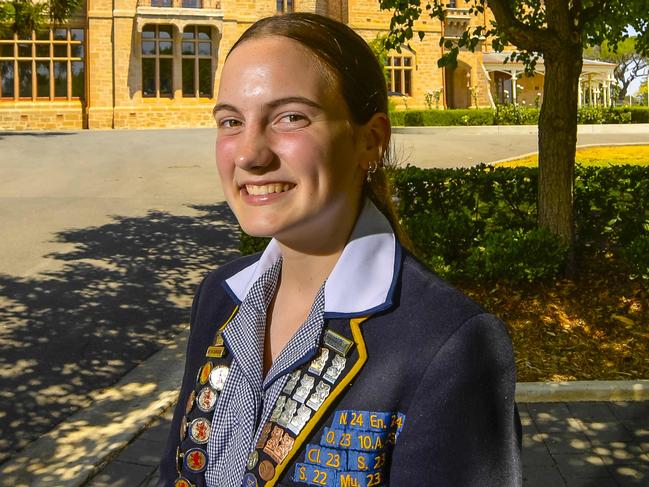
(592,327)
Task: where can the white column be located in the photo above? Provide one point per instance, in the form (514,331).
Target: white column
(514,74)
(580,94)
(590,89)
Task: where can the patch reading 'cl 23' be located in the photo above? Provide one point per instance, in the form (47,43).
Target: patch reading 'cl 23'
(353,451)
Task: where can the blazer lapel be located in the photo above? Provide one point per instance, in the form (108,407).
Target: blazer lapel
(307,397)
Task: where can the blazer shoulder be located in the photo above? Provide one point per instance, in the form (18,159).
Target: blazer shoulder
(422,289)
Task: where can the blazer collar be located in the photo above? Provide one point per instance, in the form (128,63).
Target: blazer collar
(362,281)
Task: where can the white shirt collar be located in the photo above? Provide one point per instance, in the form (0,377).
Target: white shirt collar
(361,282)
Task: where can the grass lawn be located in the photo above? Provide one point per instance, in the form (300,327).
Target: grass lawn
(595,326)
(595,156)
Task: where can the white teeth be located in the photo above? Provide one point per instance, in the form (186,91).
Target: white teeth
(267,188)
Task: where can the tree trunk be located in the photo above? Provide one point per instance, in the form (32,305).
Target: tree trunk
(557,142)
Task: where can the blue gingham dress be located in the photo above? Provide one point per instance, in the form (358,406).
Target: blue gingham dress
(247,399)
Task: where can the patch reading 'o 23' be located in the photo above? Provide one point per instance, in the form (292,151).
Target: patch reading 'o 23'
(353,451)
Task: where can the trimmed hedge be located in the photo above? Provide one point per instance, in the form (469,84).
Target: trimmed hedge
(512,115)
(480,222)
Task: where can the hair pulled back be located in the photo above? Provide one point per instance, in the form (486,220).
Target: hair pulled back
(360,77)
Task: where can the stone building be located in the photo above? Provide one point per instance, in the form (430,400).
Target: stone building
(156,63)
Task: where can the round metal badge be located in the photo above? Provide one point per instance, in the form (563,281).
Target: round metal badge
(206,399)
(199,430)
(195,460)
(218,375)
(249,480)
(183,482)
(190,402)
(204,373)
(183,428)
(266,470)
(252,460)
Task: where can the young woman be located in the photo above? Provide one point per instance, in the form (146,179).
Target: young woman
(333,358)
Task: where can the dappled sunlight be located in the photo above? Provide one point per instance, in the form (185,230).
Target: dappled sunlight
(595,327)
(106,428)
(586,443)
(124,291)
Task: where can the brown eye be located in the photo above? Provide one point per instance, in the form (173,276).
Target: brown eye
(291,121)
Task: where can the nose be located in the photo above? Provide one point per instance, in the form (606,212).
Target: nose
(253,151)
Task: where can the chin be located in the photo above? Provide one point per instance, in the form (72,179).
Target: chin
(258,229)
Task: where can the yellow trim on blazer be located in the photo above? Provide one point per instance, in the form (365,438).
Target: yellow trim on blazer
(354,324)
(227,322)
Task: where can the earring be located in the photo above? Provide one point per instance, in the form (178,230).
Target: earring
(374,165)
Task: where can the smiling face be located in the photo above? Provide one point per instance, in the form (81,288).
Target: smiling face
(291,161)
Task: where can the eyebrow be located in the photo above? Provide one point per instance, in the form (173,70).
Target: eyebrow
(273,104)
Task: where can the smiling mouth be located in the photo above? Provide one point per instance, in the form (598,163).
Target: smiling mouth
(256,190)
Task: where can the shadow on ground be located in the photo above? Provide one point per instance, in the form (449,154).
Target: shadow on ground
(125,289)
(589,444)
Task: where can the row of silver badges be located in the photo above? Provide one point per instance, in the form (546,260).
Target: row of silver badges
(291,413)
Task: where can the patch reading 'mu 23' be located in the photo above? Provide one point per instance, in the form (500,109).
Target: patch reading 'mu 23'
(353,452)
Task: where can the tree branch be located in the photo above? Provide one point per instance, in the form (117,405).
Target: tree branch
(590,13)
(521,35)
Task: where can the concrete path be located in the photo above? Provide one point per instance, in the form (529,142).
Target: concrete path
(579,444)
(105,235)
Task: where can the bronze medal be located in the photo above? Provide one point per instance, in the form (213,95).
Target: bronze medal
(183,428)
(266,470)
(190,402)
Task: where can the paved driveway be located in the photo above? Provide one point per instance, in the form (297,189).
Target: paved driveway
(104,236)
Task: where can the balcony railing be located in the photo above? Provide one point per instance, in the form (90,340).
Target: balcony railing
(207,4)
(458,13)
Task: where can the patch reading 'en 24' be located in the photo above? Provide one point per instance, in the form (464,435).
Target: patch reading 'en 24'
(353,451)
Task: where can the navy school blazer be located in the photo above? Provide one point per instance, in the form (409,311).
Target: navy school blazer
(426,397)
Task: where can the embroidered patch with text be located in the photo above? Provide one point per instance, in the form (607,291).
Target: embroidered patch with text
(353,451)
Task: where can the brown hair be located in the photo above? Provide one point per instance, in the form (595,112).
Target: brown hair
(360,77)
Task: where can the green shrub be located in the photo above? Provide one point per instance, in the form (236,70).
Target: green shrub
(517,255)
(514,114)
(478,222)
(611,204)
(590,115)
(636,255)
(638,114)
(251,245)
(397,119)
(414,118)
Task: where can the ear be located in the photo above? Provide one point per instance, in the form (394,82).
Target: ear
(375,135)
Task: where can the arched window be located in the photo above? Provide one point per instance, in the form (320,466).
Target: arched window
(157,61)
(197,61)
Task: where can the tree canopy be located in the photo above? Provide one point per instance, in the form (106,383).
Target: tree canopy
(557,30)
(533,26)
(24,16)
